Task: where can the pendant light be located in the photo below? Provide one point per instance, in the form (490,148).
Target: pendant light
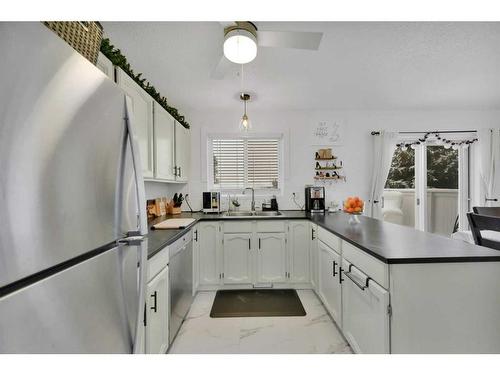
(245,124)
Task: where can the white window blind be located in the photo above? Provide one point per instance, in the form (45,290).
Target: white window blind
(228,163)
(245,162)
(263,163)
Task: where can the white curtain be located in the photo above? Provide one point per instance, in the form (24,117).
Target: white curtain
(489,157)
(383,150)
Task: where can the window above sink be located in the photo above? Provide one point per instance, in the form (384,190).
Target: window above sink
(237,161)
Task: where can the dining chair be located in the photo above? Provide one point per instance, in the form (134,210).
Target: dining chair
(488,211)
(479,223)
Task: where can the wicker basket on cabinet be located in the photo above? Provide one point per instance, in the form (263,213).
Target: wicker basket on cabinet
(84,36)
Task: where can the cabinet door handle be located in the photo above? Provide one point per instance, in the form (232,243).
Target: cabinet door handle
(355,281)
(179,171)
(358,284)
(334,272)
(155,298)
(259,243)
(312,234)
(340,275)
(249,245)
(196,235)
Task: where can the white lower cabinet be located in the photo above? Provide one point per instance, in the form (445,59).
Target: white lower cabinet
(207,244)
(271,258)
(299,251)
(313,248)
(157,314)
(330,288)
(252,253)
(237,258)
(365,312)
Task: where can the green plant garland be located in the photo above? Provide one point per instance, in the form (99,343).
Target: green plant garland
(116,57)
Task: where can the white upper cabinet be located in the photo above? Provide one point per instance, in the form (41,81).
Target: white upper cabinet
(271,258)
(237,250)
(182,152)
(164,154)
(142,109)
(299,251)
(106,66)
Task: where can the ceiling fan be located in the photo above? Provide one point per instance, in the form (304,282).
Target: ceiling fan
(241,39)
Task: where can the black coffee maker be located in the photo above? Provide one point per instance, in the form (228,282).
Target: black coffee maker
(315,199)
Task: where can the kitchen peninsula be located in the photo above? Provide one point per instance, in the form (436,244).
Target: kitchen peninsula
(389,288)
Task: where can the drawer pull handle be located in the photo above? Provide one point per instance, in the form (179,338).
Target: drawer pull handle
(355,281)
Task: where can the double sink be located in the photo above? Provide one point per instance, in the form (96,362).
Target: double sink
(252,213)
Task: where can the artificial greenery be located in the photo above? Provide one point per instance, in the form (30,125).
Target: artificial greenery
(117,58)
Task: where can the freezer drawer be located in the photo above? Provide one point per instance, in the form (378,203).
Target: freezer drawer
(88,308)
(365,312)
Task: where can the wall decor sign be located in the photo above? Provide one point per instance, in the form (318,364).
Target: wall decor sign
(327,133)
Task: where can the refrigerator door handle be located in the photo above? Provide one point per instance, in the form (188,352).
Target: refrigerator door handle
(141,200)
(142,298)
(136,161)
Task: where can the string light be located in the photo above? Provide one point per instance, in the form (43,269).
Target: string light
(439,140)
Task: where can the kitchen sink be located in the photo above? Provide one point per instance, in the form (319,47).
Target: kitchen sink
(268,213)
(255,213)
(238,213)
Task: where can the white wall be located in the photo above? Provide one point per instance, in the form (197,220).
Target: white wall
(162,189)
(356,151)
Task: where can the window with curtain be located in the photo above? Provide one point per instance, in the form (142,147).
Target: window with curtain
(236,163)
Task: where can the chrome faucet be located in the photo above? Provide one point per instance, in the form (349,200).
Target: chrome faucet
(253,197)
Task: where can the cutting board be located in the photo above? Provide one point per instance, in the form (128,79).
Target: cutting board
(173,224)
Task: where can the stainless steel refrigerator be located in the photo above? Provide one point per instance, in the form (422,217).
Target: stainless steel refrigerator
(72,205)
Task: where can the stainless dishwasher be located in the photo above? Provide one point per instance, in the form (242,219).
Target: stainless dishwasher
(180,282)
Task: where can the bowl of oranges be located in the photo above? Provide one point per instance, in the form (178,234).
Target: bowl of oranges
(354,206)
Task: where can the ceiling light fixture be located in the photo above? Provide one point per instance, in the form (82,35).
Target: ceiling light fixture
(245,124)
(240,43)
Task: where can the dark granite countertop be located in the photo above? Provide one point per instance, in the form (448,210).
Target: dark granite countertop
(390,243)
(393,243)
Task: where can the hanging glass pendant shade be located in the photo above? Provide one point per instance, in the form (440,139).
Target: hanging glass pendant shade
(245,124)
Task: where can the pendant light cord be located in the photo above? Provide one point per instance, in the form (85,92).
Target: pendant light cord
(241,79)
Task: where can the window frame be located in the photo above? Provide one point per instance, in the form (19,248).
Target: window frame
(239,192)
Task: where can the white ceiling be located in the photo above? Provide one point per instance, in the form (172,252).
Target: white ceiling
(365,65)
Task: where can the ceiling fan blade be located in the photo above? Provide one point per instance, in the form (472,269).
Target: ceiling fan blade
(221,68)
(289,39)
(225,24)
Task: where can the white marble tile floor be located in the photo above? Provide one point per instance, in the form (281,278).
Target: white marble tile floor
(313,333)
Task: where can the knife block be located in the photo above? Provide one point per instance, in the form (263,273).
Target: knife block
(171,210)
